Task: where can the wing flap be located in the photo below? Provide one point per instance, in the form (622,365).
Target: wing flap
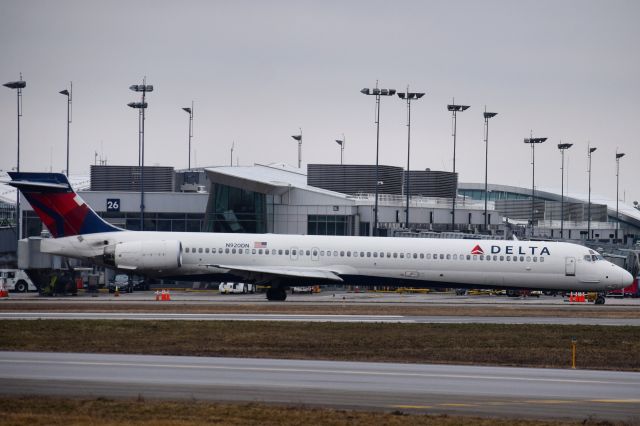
(282,271)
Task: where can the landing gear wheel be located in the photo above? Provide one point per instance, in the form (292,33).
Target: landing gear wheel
(599,300)
(277,294)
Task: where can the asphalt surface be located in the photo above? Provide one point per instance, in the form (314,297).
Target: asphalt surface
(493,391)
(318,318)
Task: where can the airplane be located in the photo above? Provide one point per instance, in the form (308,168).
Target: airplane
(284,261)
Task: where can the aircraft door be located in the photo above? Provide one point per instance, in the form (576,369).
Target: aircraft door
(315,254)
(294,253)
(570,266)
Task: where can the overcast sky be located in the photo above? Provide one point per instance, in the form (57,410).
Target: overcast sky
(258,70)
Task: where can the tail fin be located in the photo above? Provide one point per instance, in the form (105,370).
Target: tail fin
(62,211)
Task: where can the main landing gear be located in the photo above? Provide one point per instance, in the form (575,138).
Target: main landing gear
(599,300)
(277,294)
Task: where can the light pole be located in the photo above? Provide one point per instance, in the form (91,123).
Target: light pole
(190,111)
(69,95)
(533,142)
(299,139)
(487,116)
(562,147)
(409,96)
(619,155)
(377,93)
(18,85)
(233,145)
(342,143)
(141,106)
(590,150)
(454,111)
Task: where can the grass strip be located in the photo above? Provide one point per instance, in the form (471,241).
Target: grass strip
(322,308)
(598,347)
(102,412)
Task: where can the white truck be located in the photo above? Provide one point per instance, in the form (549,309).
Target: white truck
(16,280)
(235,288)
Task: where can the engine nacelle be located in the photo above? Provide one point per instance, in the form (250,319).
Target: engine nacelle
(145,255)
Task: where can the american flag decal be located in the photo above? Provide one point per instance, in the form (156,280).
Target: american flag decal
(260,244)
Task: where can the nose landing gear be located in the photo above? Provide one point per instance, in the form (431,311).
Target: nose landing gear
(599,299)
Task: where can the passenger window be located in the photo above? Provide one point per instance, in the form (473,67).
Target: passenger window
(355,254)
(541,259)
(468,257)
(368,254)
(395,255)
(508,258)
(495,258)
(280,252)
(528,258)
(535,258)
(455,257)
(321,252)
(482,257)
(501,258)
(442,256)
(308,252)
(206,250)
(388,254)
(375,254)
(226,251)
(200,250)
(448,257)
(294,252)
(348,254)
(415,255)
(253,251)
(335,253)
(421,255)
(286,252)
(315,253)
(475,257)
(341,253)
(401,256)
(260,251)
(521,258)
(429,256)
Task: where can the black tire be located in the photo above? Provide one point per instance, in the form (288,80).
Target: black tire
(599,300)
(21,286)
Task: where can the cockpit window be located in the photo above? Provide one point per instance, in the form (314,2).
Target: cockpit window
(587,257)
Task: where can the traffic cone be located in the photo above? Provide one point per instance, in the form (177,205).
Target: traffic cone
(583,299)
(4,293)
(571,297)
(163,295)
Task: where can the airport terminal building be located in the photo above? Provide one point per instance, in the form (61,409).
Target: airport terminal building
(335,199)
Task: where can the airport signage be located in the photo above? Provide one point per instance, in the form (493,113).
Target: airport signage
(113,204)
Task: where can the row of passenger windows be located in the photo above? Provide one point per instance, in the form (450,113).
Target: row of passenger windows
(375,254)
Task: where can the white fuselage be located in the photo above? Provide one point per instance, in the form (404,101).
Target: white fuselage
(390,261)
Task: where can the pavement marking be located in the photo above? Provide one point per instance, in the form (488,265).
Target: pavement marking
(549,401)
(309,370)
(457,405)
(616,401)
(412,407)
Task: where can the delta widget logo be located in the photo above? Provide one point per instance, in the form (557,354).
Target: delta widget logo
(477,250)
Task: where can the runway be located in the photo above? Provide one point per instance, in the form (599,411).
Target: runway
(518,392)
(435,319)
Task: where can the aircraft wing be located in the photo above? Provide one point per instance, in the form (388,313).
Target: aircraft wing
(284,271)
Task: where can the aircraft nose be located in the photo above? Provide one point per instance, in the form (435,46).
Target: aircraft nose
(627,278)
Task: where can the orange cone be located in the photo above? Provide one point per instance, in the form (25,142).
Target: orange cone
(4,293)
(163,296)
